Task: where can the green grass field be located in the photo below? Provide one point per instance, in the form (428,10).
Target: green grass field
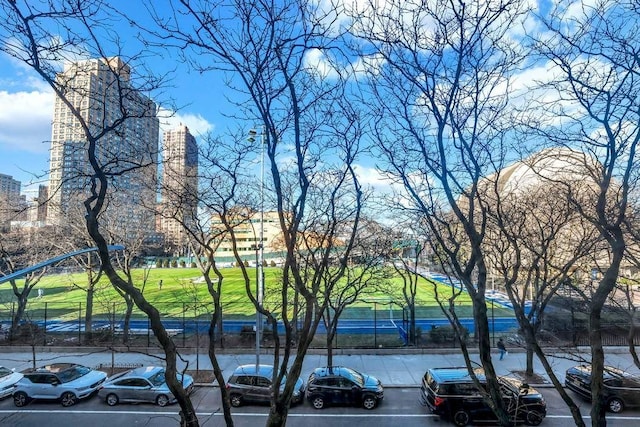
(184,293)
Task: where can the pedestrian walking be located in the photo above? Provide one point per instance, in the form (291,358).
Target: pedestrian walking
(160,284)
(502,348)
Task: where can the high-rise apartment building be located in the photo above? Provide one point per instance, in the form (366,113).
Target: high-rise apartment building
(10,200)
(125,128)
(179,185)
(9,186)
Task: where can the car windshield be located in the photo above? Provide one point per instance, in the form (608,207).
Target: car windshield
(73,373)
(354,376)
(4,371)
(157,379)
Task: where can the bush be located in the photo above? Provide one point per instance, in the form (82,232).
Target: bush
(183,264)
(193,264)
(273,263)
(158,263)
(444,334)
(174,264)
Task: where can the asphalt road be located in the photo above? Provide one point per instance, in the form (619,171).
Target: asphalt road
(400,408)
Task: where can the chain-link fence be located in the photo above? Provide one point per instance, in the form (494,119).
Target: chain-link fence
(369,324)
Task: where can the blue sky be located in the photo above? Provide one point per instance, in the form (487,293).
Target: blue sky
(26,103)
(26,111)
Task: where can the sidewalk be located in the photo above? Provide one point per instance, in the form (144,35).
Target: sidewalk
(394,368)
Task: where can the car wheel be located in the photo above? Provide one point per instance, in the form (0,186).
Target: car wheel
(68,399)
(461,418)
(236,400)
(368,402)
(317,402)
(112,399)
(162,400)
(20,399)
(615,405)
(533,418)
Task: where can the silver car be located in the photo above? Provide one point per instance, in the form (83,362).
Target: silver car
(66,382)
(248,384)
(144,384)
(8,380)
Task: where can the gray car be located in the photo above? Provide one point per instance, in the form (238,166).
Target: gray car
(144,384)
(66,382)
(248,384)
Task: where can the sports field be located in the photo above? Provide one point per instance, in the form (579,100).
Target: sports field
(184,292)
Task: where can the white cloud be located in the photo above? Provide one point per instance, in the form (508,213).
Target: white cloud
(197,124)
(25,120)
(316,59)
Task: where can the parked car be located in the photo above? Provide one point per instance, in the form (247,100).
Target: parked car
(67,382)
(8,380)
(144,384)
(248,384)
(621,389)
(343,386)
(452,394)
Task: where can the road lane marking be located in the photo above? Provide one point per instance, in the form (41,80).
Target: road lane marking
(264,414)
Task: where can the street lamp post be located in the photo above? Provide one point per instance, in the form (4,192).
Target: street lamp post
(260,246)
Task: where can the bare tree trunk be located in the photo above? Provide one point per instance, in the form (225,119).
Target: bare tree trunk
(217,371)
(88,314)
(528,373)
(329,340)
(18,314)
(126,324)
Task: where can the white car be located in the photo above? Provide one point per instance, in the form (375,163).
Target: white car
(8,380)
(66,382)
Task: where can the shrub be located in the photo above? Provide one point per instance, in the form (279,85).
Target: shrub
(444,334)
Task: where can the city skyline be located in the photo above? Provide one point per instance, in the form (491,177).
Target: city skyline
(101,93)
(26,109)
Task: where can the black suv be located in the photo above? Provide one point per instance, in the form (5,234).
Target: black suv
(343,386)
(452,394)
(621,389)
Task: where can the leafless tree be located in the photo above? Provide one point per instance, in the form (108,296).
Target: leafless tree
(411,250)
(593,107)
(44,35)
(18,250)
(264,47)
(365,274)
(439,74)
(224,204)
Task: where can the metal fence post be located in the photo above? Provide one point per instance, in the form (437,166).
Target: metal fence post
(44,340)
(79,322)
(184,310)
(375,324)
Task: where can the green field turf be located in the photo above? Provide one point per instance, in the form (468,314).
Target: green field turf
(184,293)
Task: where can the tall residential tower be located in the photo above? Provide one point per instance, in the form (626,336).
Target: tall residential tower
(179,185)
(123,123)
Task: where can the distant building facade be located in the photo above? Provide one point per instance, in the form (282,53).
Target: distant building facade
(247,233)
(100,90)
(179,187)
(11,203)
